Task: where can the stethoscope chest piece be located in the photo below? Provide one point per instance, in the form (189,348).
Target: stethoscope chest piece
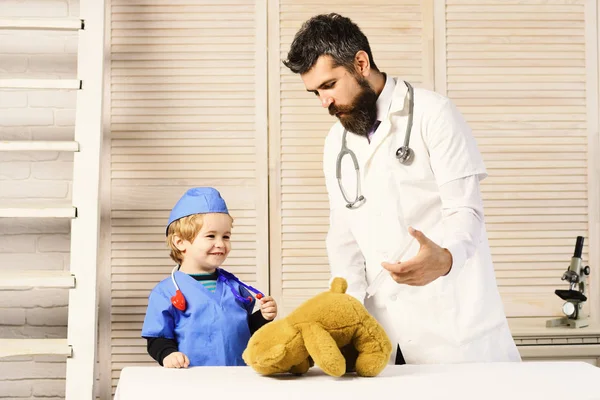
(178,300)
(405,155)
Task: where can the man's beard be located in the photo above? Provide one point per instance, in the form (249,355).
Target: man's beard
(359,116)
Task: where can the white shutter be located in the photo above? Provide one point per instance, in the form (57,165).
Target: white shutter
(188,96)
(517,71)
(400,34)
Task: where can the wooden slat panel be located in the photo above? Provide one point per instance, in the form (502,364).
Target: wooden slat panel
(397,37)
(517,72)
(187,109)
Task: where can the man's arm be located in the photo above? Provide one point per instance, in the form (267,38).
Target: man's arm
(458,167)
(462,216)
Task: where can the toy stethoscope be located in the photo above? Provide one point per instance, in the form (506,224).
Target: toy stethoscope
(179,301)
(404,154)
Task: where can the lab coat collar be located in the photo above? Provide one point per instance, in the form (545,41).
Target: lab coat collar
(384,100)
(399,105)
(399,98)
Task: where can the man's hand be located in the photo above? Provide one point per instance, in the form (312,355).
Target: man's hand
(430,263)
(268,308)
(176,360)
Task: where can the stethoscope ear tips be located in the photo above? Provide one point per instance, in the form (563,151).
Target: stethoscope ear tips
(178,300)
(405,155)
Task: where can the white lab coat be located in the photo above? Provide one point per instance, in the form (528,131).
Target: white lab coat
(456,318)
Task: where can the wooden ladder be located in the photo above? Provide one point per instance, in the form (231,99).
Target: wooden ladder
(79,347)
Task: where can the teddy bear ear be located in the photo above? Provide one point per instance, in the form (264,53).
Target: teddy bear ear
(338,285)
(272,356)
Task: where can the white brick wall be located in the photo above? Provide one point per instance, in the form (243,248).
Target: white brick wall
(24,177)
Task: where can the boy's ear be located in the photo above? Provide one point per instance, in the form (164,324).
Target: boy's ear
(178,242)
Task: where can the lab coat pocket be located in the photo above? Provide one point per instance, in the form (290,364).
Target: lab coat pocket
(429,315)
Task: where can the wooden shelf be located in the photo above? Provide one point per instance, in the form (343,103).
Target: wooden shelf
(38,278)
(36,211)
(35,145)
(54,24)
(34,347)
(40,84)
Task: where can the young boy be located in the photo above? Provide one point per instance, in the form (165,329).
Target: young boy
(202,314)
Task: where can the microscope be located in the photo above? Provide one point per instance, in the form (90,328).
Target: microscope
(575,296)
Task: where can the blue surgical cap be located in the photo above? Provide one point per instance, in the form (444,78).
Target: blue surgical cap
(201,200)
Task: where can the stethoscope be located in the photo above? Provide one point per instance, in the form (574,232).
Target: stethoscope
(404,154)
(179,301)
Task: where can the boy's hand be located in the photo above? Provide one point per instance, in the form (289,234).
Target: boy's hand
(176,360)
(268,308)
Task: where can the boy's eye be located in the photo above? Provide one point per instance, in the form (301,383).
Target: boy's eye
(226,237)
(210,236)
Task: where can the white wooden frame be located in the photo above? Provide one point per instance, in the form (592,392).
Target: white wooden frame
(439,46)
(82,320)
(592,17)
(104,389)
(274,65)
(262,143)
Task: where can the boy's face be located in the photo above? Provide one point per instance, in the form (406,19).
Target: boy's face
(211,246)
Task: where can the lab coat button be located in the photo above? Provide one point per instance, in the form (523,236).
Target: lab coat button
(393,297)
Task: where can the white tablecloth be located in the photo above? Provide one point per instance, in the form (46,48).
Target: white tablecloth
(505,381)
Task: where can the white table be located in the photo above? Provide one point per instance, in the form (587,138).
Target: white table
(527,380)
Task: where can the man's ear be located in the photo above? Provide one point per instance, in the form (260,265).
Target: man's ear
(362,63)
(178,242)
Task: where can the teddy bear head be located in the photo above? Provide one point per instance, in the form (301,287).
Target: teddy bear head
(278,349)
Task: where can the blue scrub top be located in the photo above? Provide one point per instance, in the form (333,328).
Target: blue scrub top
(212,331)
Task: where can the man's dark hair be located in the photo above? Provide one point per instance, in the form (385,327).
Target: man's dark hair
(327,34)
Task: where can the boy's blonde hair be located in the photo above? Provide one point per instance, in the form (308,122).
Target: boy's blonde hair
(186,228)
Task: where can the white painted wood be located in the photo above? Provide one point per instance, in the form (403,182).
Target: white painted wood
(440,67)
(71,24)
(592,15)
(40,84)
(467,381)
(536,328)
(427,44)
(560,352)
(36,145)
(103,372)
(275,211)
(203,123)
(82,319)
(262,143)
(36,211)
(34,347)
(39,279)
(523,88)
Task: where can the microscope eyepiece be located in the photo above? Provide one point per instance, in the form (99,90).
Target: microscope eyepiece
(578,247)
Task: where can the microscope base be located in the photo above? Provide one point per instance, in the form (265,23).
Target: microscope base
(565,321)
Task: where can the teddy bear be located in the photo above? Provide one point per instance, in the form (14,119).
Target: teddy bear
(332,330)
